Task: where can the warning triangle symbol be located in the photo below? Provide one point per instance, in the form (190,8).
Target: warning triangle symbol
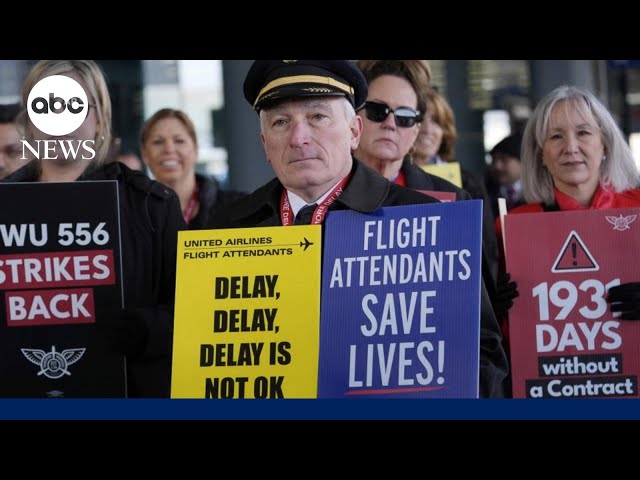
(574,257)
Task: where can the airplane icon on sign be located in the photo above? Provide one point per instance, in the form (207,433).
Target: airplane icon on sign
(306,244)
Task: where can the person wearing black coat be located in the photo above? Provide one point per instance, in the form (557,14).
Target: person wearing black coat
(417,179)
(150,219)
(212,198)
(366,192)
(309,129)
(503,179)
(436,144)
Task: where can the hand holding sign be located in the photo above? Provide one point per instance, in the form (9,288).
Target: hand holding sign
(506,292)
(125,330)
(625,298)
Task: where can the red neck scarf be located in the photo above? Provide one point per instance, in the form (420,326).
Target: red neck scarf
(602,199)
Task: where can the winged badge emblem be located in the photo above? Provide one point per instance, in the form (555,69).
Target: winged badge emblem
(53,364)
(621,222)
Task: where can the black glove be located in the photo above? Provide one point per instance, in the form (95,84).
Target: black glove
(506,291)
(625,298)
(124,330)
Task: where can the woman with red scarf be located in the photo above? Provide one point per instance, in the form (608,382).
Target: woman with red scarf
(574,157)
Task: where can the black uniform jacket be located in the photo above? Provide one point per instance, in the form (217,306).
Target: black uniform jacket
(418,179)
(150,217)
(212,198)
(366,192)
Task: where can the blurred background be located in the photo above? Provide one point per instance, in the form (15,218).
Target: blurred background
(490,99)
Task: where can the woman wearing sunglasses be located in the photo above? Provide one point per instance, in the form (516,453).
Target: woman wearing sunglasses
(396,104)
(392,115)
(391,119)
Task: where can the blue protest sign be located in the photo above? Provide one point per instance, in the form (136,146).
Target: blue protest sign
(400,308)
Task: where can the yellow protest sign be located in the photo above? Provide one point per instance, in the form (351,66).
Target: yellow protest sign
(449,171)
(247,313)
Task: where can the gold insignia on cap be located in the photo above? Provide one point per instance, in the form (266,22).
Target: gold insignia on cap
(332,82)
(267,95)
(317,90)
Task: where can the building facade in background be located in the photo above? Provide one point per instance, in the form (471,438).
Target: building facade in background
(490,98)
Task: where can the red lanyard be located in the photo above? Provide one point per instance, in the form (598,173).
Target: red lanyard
(401,179)
(188,211)
(320,211)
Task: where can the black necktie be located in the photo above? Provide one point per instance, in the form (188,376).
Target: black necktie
(511,197)
(304,215)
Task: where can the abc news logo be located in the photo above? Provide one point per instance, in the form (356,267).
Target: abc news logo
(57,106)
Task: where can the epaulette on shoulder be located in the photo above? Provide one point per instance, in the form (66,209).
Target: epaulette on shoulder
(140,181)
(160,190)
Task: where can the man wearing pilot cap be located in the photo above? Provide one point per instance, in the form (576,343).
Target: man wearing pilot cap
(309,130)
(270,80)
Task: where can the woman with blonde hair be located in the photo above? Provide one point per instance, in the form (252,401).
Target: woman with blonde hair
(436,143)
(149,222)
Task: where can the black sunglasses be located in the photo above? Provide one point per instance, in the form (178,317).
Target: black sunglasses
(404,117)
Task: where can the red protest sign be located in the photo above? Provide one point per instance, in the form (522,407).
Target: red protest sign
(565,341)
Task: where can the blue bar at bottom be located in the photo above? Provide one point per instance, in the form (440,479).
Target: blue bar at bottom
(352,409)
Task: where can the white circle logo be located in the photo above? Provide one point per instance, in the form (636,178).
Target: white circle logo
(57,105)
